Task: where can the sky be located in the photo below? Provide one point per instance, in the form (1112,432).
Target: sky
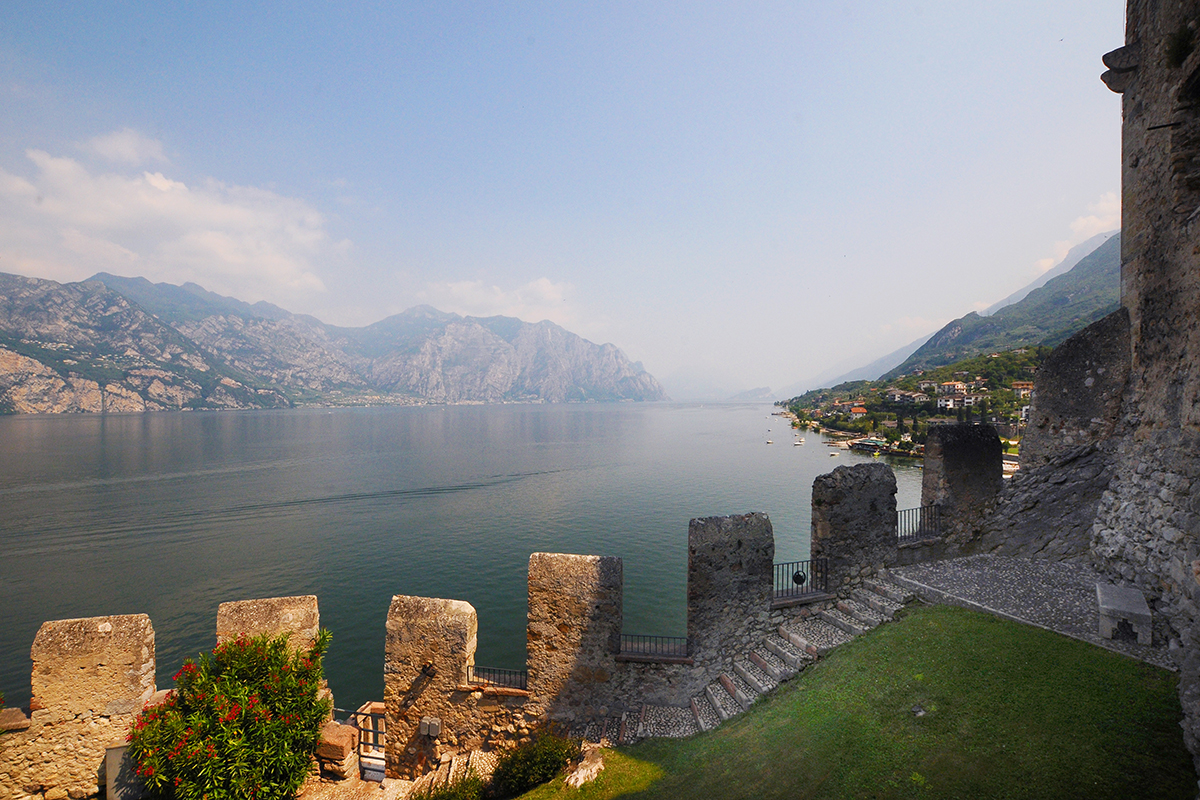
(736,195)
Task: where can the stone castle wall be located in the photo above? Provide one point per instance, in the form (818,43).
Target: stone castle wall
(576,670)
(1147,528)
(90,679)
(854,523)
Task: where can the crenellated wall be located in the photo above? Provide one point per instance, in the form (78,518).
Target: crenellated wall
(575,668)
(90,679)
(854,523)
(92,676)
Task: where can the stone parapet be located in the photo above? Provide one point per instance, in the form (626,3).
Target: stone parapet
(574,629)
(298,617)
(730,582)
(90,678)
(854,523)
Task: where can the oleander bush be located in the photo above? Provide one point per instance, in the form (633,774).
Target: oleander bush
(243,722)
(531,764)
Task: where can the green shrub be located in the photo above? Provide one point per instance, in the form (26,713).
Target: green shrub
(241,723)
(532,764)
(468,788)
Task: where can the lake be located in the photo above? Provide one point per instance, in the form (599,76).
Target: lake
(171,514)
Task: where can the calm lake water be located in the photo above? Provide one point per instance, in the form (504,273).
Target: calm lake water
(173,514)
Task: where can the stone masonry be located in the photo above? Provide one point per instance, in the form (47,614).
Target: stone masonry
(574,630)
(729,584)
(90,678)
(432,713)
(963,473)
(854,522)
(298,617)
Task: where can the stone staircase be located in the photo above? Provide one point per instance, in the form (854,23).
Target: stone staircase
(777,658)
(780,656)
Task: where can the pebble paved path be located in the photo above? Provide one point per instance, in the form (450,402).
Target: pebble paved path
(1057,596)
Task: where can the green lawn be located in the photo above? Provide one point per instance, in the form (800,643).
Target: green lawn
(1009,711)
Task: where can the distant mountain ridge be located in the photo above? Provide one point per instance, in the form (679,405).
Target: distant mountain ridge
(125,344)
(1047,315)
(924,349)
(1073,257)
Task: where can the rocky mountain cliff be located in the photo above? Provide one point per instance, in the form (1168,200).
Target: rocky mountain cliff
(125,344)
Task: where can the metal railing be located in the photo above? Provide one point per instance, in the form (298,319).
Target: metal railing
(662,646)
(918,523)
(370,722)
(798,578)
(490,676)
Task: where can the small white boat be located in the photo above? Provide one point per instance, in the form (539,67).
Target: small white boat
(797,443)
(769,441)
(833,455)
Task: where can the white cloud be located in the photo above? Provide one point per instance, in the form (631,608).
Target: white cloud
(1104,215)
(127,147)
(537,300)
(67,222)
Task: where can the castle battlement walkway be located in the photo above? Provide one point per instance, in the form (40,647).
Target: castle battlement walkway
(1056,596)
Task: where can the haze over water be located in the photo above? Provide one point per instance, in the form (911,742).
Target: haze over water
(173,514)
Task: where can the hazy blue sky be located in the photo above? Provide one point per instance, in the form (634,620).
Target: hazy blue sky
(737,195)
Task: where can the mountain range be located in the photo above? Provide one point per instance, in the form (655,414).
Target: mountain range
(1047,315)
(112,343)
(1080,289)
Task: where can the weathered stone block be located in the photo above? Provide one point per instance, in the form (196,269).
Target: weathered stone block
(296,616)
(430,642)
(337,741)
(854,522)
(93,665)
(13,719)
(730,582)
(1123,603)
(574,627)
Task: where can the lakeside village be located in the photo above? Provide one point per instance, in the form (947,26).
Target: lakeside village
(892,416)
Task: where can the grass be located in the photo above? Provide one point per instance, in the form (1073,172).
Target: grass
(1009,711)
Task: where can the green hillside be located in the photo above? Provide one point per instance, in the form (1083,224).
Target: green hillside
(1046,316)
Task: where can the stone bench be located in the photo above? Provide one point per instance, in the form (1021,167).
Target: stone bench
(1122,603)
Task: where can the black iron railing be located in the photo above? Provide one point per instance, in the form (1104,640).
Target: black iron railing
(918,523)
(798,578)
(661,646)
(490,676)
